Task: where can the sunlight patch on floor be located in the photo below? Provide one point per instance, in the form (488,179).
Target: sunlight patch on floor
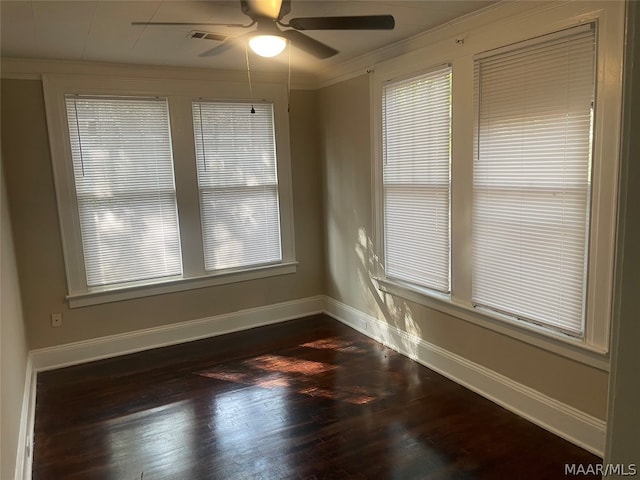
(277,363)
(279,372)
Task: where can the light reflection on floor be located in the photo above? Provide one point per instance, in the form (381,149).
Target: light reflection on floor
(248,423)
(350,394)
(409,446)
(333,343)
(164,433)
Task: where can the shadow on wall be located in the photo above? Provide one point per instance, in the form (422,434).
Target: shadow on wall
(395,311)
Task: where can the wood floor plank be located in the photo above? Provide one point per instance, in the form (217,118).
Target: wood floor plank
(306,399)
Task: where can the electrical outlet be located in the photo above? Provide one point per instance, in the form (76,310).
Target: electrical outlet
(56,320)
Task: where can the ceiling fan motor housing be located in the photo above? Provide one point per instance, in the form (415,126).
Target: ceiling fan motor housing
(267,16)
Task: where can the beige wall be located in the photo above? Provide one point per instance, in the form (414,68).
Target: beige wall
(348,211)
(623,429)
(39,251)
(13,347)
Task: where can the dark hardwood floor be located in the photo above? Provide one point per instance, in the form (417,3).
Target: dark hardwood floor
(306,399)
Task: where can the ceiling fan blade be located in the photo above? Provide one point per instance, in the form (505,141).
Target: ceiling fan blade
(174,24)
(308,44)
(217,50)
(223,47)
(361,22)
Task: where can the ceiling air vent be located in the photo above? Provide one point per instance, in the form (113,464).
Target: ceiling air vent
(207,36)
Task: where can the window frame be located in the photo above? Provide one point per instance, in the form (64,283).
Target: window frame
(460,52)
(179,94)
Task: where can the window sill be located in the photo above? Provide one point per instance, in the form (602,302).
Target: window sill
(172,285)
(570,347)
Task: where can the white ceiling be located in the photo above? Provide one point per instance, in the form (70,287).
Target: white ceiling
(101,30)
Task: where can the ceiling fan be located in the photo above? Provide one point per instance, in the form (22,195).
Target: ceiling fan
(269,39)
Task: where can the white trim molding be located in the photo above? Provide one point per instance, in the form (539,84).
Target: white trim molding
(540,337)
(559,418)
(35,68)
(131,342)
(146,290)
(24,455)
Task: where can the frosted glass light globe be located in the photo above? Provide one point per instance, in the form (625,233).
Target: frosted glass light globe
(267,45)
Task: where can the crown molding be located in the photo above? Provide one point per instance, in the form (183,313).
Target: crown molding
(444,35)
(33,69)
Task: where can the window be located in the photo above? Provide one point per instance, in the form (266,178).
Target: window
(123,172)
(238,184)
(173,187)
(416,154)
(496,178)
(532,179)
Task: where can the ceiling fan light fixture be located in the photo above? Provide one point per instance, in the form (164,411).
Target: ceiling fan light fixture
(267,45)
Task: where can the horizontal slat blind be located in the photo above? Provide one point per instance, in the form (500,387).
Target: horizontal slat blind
(238,184)
(123,171)
(532,179)
(416,155)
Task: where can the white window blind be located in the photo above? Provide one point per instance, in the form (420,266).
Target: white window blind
(123,173)
(532,179)
(416,115)
(237,183)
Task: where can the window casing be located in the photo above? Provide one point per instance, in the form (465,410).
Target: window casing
(181,189)
(590,344)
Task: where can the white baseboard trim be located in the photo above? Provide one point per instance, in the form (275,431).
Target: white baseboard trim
(122,344)
(24,453)
(563,420)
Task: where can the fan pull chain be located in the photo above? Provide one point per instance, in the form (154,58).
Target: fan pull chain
(75,108)
(246,54)
(204,150)
(289,80)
